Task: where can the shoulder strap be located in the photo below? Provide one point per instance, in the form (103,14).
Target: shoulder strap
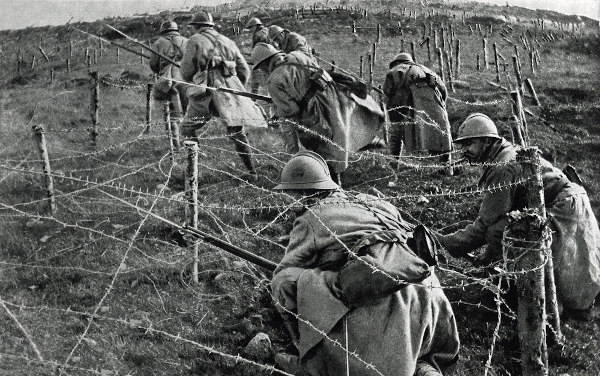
(179,52)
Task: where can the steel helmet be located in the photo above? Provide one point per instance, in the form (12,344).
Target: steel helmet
(402,56)
(274,31)
(168,26)
(477,125)
(261,52)
(306,170)
(253,22)
(203,18)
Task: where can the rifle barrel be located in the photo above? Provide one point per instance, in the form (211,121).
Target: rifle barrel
(166,58)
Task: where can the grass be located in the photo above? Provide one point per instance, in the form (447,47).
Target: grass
(151,319)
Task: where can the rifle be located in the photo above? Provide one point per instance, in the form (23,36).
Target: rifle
(231,91)
(224,89)
(353,75)
(166,58)
(219,243)
(113,43)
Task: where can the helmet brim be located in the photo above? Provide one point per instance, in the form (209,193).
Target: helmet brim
(459,140)
(202,23)
(324,185)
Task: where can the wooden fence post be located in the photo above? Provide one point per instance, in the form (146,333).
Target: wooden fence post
(40,138)
(169,129)
(518,75)
(412,51)
(94,106)
(149,89)
(360,66)
(378,33)
(485,59)
(51,75)
(457,62)
(496,63)
(478,65)
(118,55)
(531,62)
(353,27)
(370,64)
(374,53)
(530,88)
(429,48)
(440,63)
(519,115)
(531,284)
(70,48)
(68,63)
(449,68)
(191,191)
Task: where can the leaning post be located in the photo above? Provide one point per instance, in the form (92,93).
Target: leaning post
(518,113)
(95,106)
(149,90)
(191,191)
(440,63)
(531,89)
(40,138)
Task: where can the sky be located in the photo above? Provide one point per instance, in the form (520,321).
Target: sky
(16,14)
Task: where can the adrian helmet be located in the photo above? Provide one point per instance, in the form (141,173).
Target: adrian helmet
(261,52)
(476,125)
(203,18)
(253,22)
(168,26)
(401,57)
(274,31)
(306,170)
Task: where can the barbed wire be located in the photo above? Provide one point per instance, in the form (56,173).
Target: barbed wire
(135,324)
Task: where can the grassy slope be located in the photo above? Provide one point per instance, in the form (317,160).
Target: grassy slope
(75,266)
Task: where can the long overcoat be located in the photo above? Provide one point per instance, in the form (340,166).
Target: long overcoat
(390,333)
(416,99)
(214,60)
(575,234)
(334,122)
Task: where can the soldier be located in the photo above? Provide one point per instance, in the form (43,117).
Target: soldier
(260,33)
(213,60)
(288,41)
(335,121)
(327,287)
(416,101)
(170,44)
(575,234)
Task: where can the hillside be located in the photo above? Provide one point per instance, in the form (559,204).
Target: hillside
(105,282)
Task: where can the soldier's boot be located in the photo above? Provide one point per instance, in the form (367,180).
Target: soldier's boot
(425,369)
(188,130)
(242,147)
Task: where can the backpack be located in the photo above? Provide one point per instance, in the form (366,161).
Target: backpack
(169,72)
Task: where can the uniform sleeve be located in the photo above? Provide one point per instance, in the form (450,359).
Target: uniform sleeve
(302,250)
(189,62)
(494,207)
(285,105)
(241,67)
(154,58)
